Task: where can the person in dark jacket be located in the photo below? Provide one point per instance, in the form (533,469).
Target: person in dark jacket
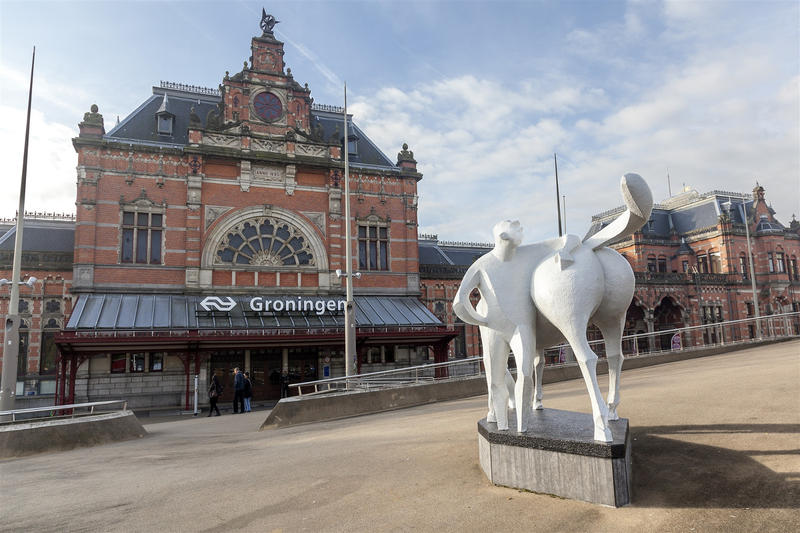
(248,391)
(238,391)
(214,391)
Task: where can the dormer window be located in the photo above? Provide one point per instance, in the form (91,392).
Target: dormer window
(165,124)
(164,119)
(352,144)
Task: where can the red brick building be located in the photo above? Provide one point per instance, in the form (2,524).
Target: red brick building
(237,194)
(47,244)
(690,263)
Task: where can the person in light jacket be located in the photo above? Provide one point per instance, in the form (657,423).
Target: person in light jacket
(248,391)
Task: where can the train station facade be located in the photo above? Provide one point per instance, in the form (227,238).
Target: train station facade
(209,230)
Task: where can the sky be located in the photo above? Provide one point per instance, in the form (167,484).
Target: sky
(698,94)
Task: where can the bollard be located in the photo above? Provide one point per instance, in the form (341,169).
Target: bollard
(196,384)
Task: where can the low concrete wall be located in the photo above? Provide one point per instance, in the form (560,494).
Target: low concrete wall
(28,438)
(306,409)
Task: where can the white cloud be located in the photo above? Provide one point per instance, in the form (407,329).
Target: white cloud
(51,163)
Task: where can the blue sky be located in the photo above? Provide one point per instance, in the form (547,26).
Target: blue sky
(484,92)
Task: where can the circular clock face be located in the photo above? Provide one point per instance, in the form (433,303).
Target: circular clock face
(268,106)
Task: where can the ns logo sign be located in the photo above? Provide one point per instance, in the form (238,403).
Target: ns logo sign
(215,303)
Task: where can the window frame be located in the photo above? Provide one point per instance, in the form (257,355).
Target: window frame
(378,243)
(137,229)
(165,118)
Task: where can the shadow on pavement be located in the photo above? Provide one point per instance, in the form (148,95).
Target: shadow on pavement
(670,472)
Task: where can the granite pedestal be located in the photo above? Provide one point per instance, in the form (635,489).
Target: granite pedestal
(558,455)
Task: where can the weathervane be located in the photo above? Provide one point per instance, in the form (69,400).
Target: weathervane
(267,21)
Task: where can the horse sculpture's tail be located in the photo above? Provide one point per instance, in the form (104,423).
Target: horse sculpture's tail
(639,203)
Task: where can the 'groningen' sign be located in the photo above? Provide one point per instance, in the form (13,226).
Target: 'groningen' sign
(276,305)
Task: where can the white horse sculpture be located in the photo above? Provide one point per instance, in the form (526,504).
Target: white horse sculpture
(538,295)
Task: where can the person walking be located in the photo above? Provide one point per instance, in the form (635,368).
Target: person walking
(238,391)
(248,391)
(214,391)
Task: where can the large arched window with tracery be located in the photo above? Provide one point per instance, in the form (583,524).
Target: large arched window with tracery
(264,241)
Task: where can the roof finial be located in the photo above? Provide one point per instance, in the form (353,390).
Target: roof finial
(163,108)
(267,21)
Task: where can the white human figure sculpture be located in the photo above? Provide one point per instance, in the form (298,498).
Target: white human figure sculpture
(538,295)
(505,315)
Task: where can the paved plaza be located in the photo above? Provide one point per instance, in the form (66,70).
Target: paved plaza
(716,447)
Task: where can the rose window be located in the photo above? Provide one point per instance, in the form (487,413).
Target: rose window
(265,242)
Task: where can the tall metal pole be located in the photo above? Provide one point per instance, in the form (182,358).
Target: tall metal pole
(349,312)
(752,269)
(8,382)
(558,197)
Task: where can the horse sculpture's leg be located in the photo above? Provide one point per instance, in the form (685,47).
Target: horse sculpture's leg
(587,361)
(538,364)
(610,317)
(612,328)
(567,294)
(522,344)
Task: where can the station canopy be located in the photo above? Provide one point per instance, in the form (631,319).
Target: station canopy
(174,320)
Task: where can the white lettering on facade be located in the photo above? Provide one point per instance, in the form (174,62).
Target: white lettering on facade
(260,304)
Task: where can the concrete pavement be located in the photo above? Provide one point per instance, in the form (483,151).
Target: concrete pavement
(716,448)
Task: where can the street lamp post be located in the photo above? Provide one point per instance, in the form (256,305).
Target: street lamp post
(8,382)
(727,206)
(752,270)
(349,312)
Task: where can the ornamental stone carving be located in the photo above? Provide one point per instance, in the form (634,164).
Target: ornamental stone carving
(267,145)
(225,141)
(268,174)
(310,150)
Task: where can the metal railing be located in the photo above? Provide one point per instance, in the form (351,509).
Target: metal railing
(726,333)
(398,377)
(53,409)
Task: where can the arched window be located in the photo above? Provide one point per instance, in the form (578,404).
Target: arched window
(743,265)
(793,266)
(779,260)
(662,263)
(714,262)
(651,263)
(47,364)
(22,355)
(264,241)
(702,263)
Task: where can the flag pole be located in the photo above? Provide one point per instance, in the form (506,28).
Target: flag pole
(558,197)
(8,382)
(349,313)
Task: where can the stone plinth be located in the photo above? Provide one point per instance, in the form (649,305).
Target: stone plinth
(558,455)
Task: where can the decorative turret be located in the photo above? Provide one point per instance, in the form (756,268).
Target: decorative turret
(92,125)
(405,159)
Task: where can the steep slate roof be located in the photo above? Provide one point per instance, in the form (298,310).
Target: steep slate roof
(689,211)
(367,155)
(434,252)
(140,126)
(40,236)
